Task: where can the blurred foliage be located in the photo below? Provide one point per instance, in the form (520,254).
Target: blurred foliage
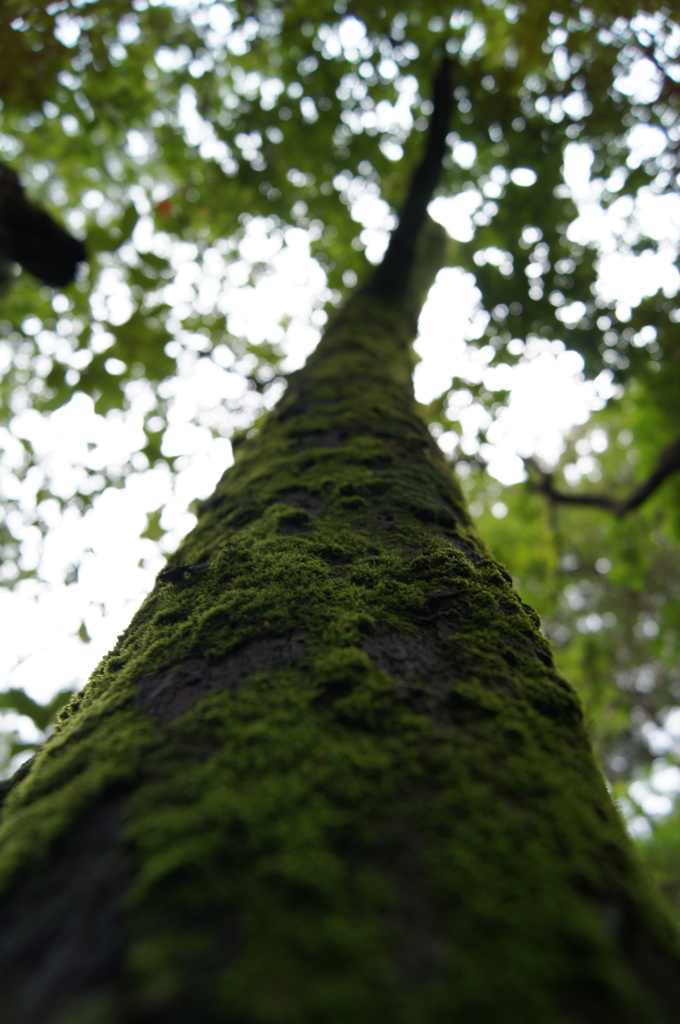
(158,131)
(41,717)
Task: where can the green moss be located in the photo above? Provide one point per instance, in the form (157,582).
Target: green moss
(376,799)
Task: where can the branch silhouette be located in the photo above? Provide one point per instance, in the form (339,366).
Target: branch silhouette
(31,238)
(667,464)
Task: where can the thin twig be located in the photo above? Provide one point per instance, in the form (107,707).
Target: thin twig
(667,463)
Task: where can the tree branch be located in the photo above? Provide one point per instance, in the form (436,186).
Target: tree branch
(391,277)
(667,463)
(29,236)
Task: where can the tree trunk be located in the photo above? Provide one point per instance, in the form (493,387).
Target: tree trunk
(329,774)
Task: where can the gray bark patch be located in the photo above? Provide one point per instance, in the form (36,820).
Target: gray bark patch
(169,693)
(425,678)
(409,657)
(303,499)
(321,439)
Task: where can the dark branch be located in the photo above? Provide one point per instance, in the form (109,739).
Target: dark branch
(668,463)
(29,236)
(391,277)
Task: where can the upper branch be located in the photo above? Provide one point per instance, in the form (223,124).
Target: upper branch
(30,237)
(391,277)
(667,463)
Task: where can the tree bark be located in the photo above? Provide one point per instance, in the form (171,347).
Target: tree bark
(329,773)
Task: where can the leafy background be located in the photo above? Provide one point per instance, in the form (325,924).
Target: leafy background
(204,149)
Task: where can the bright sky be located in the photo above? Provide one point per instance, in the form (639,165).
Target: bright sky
(41,651)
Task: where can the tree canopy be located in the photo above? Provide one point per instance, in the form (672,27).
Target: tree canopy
(173,137)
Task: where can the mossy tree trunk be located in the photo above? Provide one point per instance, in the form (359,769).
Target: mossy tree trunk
(329,774)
